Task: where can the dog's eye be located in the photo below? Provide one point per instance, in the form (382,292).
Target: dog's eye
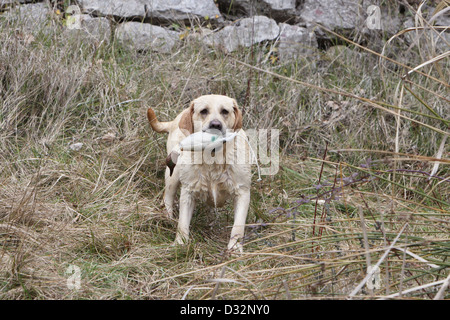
(204,112)
(224,112)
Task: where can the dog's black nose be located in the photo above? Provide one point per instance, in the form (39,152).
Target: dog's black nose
(215,124)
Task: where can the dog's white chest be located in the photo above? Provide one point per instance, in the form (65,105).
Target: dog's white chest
(212,183)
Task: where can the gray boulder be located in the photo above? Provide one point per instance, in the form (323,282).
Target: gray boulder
(5,2)
(91,28)
(158,10)
(295,42)
(350,16)
(342,14)
(10,2)
(245,33)
(442,18)
(143,36)
(279,10)
(437,37)
(30,17)
(96,27)
(442,40)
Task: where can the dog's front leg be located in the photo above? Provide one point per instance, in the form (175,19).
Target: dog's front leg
(187,205)
(241,204)
(172,183)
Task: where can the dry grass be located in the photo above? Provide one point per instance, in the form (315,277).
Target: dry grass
(357,143)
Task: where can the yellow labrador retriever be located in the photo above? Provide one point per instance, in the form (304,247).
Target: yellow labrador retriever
(214,178)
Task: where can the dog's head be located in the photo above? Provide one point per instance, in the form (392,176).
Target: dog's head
(211,113)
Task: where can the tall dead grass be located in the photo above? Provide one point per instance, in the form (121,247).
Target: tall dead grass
(363,179)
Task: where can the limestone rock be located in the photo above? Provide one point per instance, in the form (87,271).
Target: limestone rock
(279,10)
(295,42)
(245,33)
(11,2)
(144,36)
(160,10)
(344,15)
(90,28)
(332,13)
(30,17)
(438,37)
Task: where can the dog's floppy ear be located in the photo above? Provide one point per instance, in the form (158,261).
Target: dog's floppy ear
(186,123)
(237,116)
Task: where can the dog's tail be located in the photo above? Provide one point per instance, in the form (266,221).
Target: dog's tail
(155,124)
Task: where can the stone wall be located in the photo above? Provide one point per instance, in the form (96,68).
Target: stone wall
(296,27)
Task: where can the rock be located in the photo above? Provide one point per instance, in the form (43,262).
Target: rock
(12,2)
(437,37)
(76,146)
(295,42)
(409,36)
(98,28)
(441,41)
(332,14)
(90,28)
(245,33)
(157,10)
(30,17)
(441,18)
(279,10)
(143,36)
(108,138)
(338,15)
(389,21)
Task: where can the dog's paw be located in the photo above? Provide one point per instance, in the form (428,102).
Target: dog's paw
(176,244)
(169,214)
(180,240)
(235,248)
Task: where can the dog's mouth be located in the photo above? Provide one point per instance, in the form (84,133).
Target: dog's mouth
(214,131)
